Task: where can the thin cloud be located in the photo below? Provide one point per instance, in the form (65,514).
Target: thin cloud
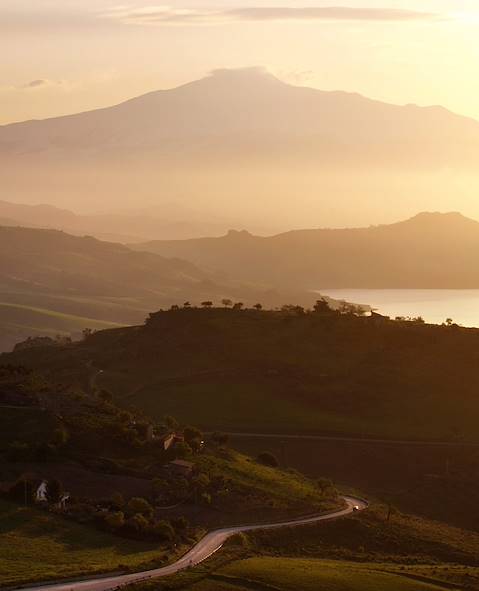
(41,83)
(164,15)
(36,83)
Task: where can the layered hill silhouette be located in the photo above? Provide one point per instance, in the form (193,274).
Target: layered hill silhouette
(126,227)
(54,283)
(233,138)
(431,250)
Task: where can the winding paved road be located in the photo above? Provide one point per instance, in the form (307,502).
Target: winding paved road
(207,546)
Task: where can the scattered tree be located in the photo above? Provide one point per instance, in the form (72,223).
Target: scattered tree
(227,303)
(115,520)
(170,422)
(86,333)
(137,523)
(163,531)
(192,433)
(207,304)
(322,307)
(117,500)
(258,307)
(182,450)
(60,436)
(138,505)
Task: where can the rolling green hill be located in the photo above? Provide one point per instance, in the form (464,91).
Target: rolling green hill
(37,546)
(287,372)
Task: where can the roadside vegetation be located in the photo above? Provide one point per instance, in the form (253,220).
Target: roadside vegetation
(154,490)
(379,550)
(41,546)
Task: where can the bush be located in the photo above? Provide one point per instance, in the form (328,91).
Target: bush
(139,506)
(117,500)
(115,520)
(137,523)
(163,531)
(266,458)
(192,434)
(180,523)
(60,437)
(182,450)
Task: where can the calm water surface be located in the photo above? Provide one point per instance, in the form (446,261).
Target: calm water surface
(434,305)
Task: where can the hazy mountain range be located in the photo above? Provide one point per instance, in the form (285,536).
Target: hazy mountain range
(118,227)
(431,250)
(54,283)
(240,143)
(208,116)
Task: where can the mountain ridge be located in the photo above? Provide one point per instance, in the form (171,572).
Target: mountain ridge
(430,250)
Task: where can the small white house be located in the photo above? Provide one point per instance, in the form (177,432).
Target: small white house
(41,496)
(41,493)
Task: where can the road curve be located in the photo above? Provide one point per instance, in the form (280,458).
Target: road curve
(207,546)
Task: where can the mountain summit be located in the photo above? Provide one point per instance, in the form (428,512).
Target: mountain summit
(236,137)
(232,104)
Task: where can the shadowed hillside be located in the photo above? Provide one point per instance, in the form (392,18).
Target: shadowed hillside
(54,283)
(290,372)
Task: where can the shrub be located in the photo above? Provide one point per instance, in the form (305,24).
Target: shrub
(115,520)
(182,450)
(140,506)
(117,500)
(266,458)
(137,523)
(191,434)
(60,437)
(180,523)
(163,531)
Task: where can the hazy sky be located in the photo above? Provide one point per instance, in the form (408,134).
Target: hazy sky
(63,56)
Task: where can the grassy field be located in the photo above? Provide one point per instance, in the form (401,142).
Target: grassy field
(310,575)
(36,546)
(364,552)
(208,403)
(18,322)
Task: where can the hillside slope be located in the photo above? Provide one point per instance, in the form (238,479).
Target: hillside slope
(54,283)
(431,250)
(276,372)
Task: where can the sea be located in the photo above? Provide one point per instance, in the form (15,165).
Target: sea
(434,305)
